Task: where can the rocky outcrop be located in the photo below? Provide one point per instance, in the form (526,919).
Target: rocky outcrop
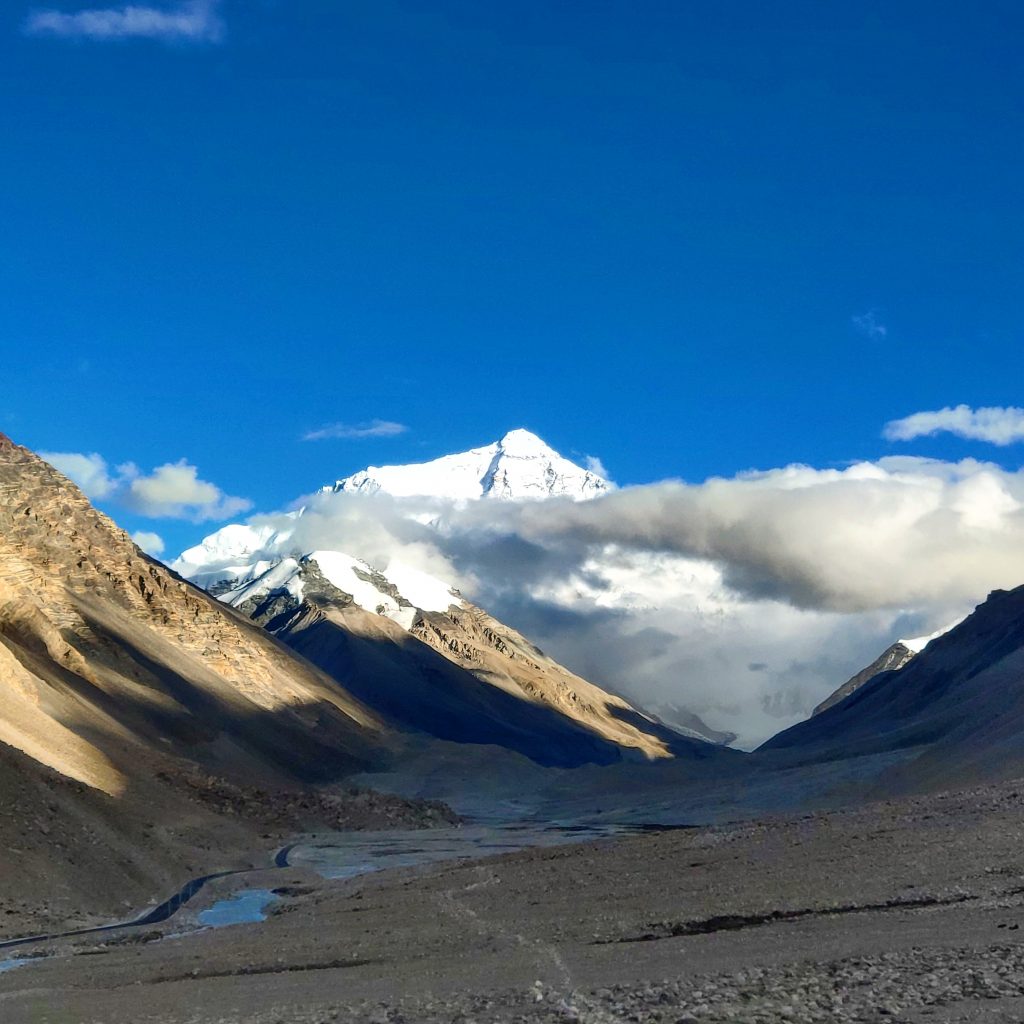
(892,659)
(500,656)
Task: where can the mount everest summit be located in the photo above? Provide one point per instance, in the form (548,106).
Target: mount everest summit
(241,561)
(518,467)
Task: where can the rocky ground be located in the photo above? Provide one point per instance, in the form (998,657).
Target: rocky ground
(903,911)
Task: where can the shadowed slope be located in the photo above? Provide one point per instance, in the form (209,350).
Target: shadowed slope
(462,676)
(961,701)
(892,659)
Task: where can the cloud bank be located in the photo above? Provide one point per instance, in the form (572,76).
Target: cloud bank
(999,425)
(171,491)
(876,535)
(747,600)
(375,428)
(195,21)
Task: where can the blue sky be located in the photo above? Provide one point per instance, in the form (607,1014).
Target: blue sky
(689,238)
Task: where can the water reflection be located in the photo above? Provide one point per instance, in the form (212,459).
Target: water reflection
(242,907)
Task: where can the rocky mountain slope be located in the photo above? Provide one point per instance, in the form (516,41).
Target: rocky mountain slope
(436,664)
(89,621)
(128,698)
(415,650)
(519,466)
(955,712)
(892,659)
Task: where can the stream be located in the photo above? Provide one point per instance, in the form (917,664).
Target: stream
(340,855)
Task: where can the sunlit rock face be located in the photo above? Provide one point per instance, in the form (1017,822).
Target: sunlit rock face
(107,651)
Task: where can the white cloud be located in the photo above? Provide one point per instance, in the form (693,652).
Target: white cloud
(375,428)
(194,21)
(151,543)
(888,534)
(171,491)
(90,472)
(869,325)
(174,491)
(999,425)
(596,466)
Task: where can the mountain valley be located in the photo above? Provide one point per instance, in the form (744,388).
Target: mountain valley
(243,709)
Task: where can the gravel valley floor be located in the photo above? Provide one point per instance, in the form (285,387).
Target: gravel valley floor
(903,911)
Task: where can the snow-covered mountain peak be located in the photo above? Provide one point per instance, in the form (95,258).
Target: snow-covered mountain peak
(242,560)
(523,444)
(521,466)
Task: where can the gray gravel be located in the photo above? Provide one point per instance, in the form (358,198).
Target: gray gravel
(888,987)
(905,911)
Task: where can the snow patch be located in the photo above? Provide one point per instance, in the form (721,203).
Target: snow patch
(918,643)
(426,592)
(263,578)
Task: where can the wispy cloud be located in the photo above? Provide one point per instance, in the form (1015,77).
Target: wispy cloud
(596,466)
(195,21)
(90,472)
(151,543)
(999,425)
(870,326)
(171,491)
(375,428)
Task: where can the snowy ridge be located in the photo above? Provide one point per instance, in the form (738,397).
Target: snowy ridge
(518,467)
(918,643)
(240,563)
(230,552)
(368,588)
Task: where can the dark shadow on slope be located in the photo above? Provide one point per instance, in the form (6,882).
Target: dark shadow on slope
(961,699)
(311,743)
(411,684)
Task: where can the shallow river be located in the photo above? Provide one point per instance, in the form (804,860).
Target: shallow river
(349,854)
